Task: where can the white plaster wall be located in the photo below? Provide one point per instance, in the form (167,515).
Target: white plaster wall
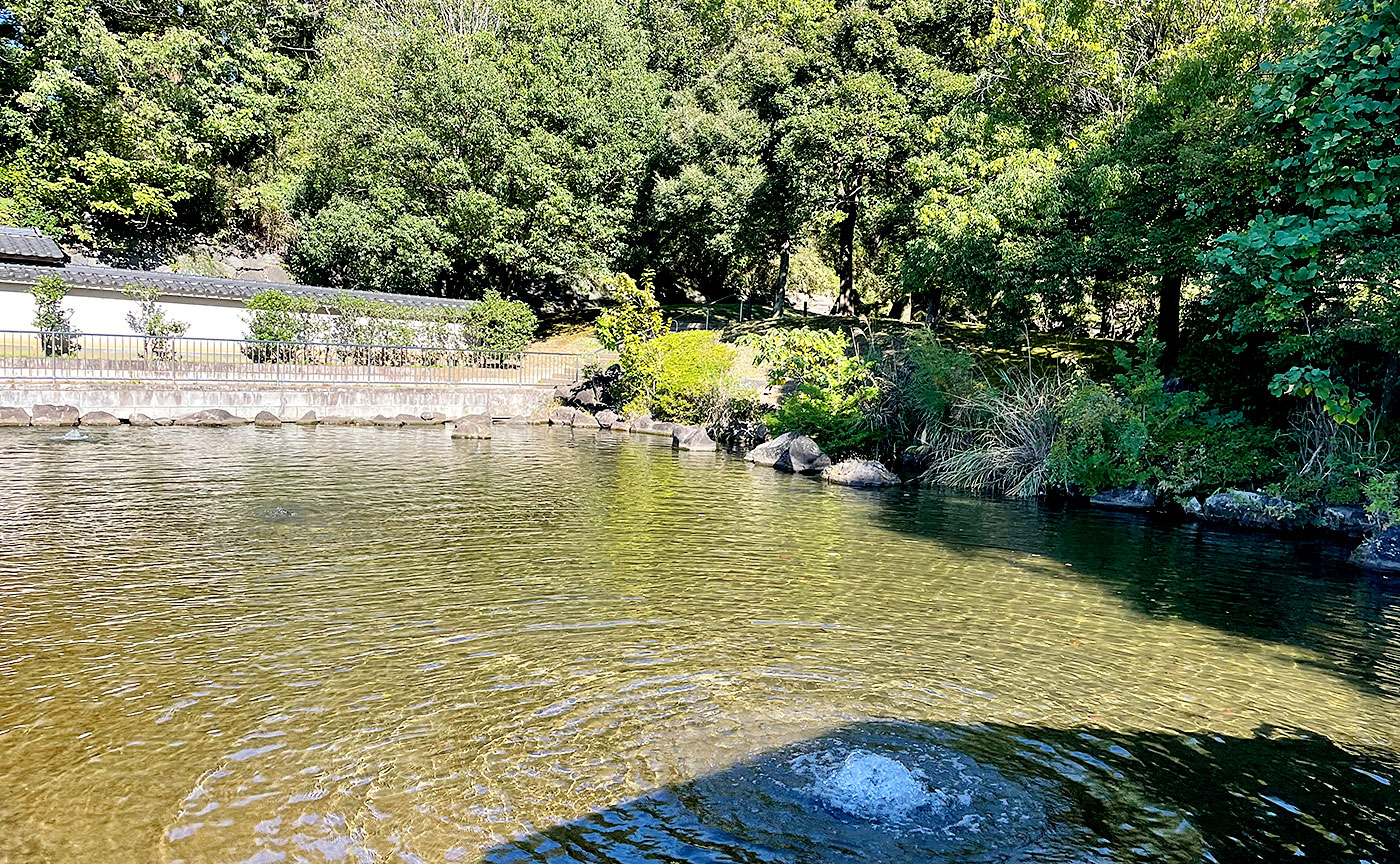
(103,312)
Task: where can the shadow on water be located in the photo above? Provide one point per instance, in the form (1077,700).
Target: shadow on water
(896,791)
(1295,590)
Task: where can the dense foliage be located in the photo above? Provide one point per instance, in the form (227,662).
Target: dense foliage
(681,377)
(492,323)
(1219,173)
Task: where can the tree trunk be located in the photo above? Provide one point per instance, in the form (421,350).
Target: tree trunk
(899,309)
(1169,318)
(847,300)
(1390,390)
(934,307)
(780,290)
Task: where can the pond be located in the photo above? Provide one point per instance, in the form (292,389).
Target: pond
(343,644)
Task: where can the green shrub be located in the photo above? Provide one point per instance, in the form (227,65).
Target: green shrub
(154,323)
(836,397)
(1100,443)
(681,377)
(803,356)
(1210,452)
(635,319)
(839,420)
(57,335)
(937,376)
(277,317)
(500,324)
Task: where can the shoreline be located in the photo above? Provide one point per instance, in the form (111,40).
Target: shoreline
(1233,511)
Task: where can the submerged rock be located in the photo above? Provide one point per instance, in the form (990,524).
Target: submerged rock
(803,456)
(1379,552)
(859,472)
(211,417)
(267,420)
(14,417)
(692,438)
(476,426)
(54,416)
(99,418)
(644,425)
(769,452)
(563,416)
(1133,497)
(1254,510)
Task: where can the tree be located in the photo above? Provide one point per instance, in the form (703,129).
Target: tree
(1314,277)
(132,125)
(459,148)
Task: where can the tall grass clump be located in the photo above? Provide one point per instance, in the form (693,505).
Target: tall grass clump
(998,435)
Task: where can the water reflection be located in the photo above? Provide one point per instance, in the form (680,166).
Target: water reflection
(345,644)
(1295,590)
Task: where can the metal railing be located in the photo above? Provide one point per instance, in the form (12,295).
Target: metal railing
(111,357)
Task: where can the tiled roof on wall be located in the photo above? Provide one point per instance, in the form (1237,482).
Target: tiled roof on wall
(28,245)
(206,287)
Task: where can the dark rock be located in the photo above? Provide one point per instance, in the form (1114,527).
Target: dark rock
(859,472)
(744,434)
(769,452)
(14,417)
(139,419)
(607,418)
(1254,510)
(1192,507)
(1381,551)
(1125,498)
(52,416)
(99,418)
(914,461)
(308,419)
(803,456)
(692,438)
(211,417)
(267,420)
(1344,519)
(590,398)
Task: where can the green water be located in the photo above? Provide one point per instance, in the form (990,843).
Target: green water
(342,644)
